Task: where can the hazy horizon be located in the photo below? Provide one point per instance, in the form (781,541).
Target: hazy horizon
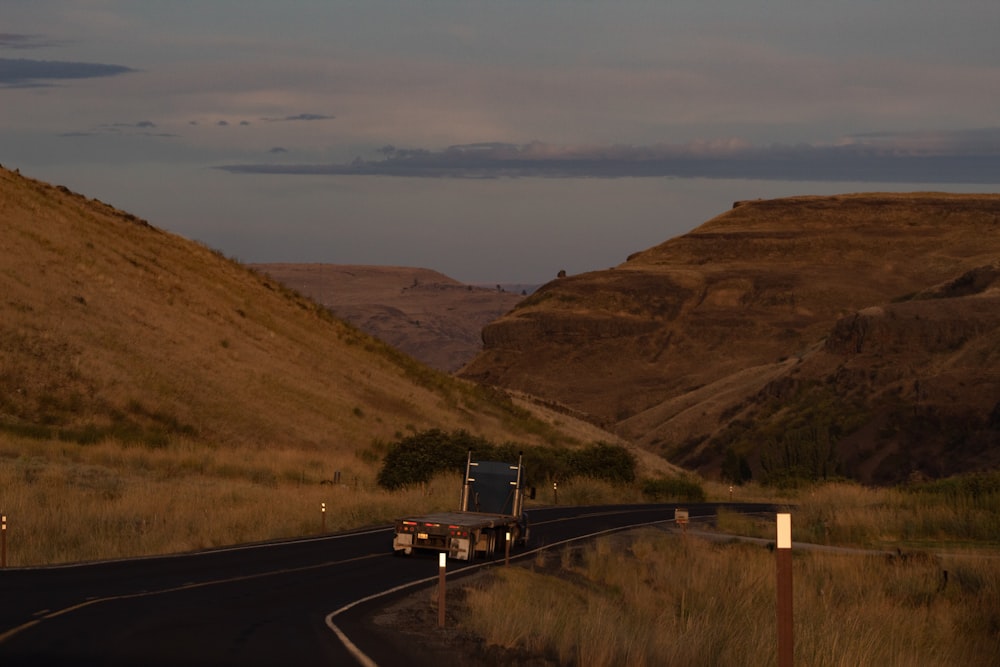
(496,142)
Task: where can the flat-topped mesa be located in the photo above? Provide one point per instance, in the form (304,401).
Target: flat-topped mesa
(727,304)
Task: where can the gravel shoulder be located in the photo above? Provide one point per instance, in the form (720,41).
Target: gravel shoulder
(410,626)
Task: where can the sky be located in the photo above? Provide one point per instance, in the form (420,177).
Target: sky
(494,141)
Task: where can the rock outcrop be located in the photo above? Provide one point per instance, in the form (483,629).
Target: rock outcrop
(683,346)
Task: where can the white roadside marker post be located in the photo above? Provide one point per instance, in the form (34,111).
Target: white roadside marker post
(784,577)
(442,560)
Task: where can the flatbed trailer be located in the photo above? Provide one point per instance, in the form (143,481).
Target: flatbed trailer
(490,512)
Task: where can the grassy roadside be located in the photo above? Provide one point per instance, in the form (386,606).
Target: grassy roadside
(959,513)
(68,502)
(65,502)
(651,598)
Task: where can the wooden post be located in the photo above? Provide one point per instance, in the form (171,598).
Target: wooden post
(3,540)
(784,577)
(322,509)
(442,559)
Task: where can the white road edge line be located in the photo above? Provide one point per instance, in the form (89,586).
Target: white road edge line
(366,661)
(46,615)
(209,552)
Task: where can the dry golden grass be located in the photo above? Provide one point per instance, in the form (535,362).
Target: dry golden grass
(67,502)
(653,599)
(893,517)
(872,517)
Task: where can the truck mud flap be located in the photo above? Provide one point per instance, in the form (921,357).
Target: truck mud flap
(458,548)
(403,544)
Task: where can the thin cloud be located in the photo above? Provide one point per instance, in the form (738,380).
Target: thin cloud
(142,124)
(985,141)
(20,41)
(155,135)
(22,72)
(142,128)
(945,157)
(300,117)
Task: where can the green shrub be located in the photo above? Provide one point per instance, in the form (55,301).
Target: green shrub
(612,463)
(546,464)
(673,488)
(417,458)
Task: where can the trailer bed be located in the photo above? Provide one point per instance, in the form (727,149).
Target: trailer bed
(459,534)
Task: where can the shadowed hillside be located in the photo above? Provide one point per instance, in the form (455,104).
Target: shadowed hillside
(750,345)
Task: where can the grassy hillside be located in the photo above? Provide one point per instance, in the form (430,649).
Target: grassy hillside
(157,396)
(112,326)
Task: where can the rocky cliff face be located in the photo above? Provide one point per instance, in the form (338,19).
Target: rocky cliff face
(697,346)
(926,368)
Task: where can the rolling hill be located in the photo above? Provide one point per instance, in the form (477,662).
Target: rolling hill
(852,335)
(113,328)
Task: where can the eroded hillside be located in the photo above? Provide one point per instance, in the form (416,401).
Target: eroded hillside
(699,348)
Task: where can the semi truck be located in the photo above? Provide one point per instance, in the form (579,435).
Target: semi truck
(491,511)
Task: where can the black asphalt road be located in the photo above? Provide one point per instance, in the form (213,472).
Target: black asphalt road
(265,604)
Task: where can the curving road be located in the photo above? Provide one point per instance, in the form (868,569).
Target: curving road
(280,603)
